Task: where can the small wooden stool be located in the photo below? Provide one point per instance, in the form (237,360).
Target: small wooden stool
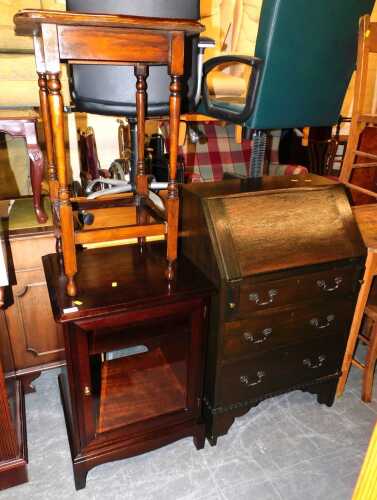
(369,338)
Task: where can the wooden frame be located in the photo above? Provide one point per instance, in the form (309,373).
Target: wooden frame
(103,39)
(365,216)
(367,44)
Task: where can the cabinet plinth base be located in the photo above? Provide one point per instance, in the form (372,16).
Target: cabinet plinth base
(135,444)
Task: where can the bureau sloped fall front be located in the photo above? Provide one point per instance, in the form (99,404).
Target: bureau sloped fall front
(286,256)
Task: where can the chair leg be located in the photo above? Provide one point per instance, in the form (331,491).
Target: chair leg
(368,373)
(36,175)
(258,153)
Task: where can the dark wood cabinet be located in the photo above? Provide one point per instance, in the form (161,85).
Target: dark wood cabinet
(286,255)
(135,347)
(13,447)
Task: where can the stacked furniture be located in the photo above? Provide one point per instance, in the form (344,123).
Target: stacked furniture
(134,332)
(286,255)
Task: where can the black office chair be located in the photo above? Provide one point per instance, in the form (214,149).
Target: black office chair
(110,90)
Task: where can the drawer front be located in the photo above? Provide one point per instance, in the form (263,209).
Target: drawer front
(326,284)
(27,252)
(277,328)
(280,370)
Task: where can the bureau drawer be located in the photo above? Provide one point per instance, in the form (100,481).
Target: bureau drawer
(276,328)
(325,284)
(280,370)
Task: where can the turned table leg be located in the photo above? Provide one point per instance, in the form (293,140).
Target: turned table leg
(51,168)
(173,200)
(55,102)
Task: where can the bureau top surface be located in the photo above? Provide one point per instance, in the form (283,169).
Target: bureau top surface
(250,185)
(272,225)
(121,278)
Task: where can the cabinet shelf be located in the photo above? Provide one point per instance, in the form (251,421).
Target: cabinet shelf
(140,387)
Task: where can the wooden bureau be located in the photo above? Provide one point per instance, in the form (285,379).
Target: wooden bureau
(286,256)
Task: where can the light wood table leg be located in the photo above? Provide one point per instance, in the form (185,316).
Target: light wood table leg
(370,272)
(55,101)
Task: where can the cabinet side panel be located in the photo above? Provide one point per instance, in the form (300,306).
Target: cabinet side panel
(196,242)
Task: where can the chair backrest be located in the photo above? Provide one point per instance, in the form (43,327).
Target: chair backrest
(110,90)
(308,50)
(367,45)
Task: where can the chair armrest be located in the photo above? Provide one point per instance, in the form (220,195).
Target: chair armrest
(232,115)
(230,58)
(203,44)
(206,43)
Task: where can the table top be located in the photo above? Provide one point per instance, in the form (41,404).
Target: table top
(121,278)
(366,218)
(21,220)
(28,21)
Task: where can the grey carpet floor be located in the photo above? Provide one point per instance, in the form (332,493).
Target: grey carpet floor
(289,447)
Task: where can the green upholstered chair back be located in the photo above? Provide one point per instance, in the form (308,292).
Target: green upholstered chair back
(308,48)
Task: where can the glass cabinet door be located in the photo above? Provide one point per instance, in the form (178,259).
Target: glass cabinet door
(140,371)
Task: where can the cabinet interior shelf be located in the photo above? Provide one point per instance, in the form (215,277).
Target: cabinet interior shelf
(140,387)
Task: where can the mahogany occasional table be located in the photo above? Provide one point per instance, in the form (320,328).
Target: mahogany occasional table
(135,346)
(102,39)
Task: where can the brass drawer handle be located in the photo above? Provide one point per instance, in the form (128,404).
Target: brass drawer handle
(312,365)
(249,337)
(317,324)
(244,379)
(254,297)
(322,284)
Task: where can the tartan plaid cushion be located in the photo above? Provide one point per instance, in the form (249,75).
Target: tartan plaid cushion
(216,152)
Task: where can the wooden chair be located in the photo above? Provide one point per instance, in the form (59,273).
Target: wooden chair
(367,45)
(103,39)
(369,337)
(25,126)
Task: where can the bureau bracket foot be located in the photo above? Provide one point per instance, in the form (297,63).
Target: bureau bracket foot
(325,392)
(199,440)
(26,381)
